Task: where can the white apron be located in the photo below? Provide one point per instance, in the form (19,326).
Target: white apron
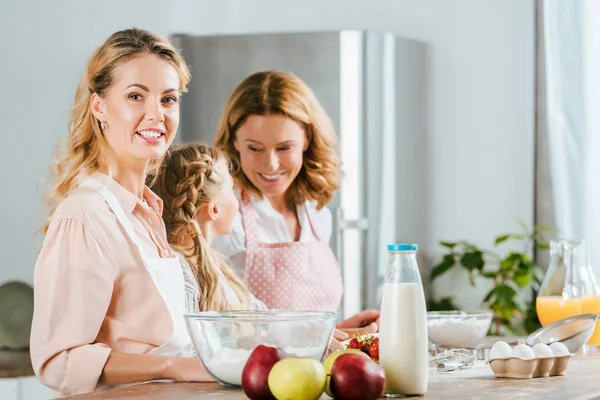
(166,274)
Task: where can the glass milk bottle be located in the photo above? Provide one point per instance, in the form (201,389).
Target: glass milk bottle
(403,345)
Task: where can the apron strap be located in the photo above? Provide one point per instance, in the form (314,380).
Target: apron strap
(249,220)
(229,293)
(117,209)
(313,223)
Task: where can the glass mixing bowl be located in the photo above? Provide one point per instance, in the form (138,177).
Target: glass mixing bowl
(224,340)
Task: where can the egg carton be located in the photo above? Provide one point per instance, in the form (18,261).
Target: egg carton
(524,362)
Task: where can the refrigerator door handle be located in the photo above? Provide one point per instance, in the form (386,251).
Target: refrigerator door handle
(362,224)
(339,226)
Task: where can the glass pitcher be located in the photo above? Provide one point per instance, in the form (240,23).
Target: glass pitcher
(569,287)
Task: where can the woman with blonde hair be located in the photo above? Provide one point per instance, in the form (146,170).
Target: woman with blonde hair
(109,298)
(282,146)
(199,205)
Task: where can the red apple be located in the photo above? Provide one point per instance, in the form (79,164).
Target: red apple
(354,377)
(255,375)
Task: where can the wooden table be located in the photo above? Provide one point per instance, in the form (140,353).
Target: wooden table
(581,382)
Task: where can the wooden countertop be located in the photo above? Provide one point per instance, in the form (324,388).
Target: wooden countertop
(581,382)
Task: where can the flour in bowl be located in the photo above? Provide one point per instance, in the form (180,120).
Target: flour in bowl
(228,364)
(457,332)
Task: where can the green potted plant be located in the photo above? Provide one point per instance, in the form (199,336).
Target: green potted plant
(509,273)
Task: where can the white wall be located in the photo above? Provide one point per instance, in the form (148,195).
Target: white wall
(480,97)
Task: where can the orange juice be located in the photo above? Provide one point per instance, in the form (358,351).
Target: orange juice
(591,305)
(554,308)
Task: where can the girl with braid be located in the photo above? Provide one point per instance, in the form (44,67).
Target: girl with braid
(199,204)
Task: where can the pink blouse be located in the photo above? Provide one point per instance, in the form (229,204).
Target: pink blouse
(92,292)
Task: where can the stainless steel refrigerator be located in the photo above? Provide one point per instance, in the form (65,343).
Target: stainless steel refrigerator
(373,87)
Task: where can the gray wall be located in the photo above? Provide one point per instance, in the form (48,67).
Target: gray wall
(480,99)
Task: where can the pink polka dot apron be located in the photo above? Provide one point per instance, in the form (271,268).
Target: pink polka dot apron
(290,276)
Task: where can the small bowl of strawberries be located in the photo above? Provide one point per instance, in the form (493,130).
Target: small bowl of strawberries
(368,344)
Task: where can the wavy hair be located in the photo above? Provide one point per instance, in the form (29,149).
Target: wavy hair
(187,181)
(85,150)
(273,92)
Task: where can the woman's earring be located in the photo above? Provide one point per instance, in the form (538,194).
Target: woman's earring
(102,125)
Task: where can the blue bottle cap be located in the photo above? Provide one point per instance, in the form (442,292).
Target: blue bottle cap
(403,247)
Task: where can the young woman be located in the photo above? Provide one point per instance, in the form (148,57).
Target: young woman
(109,298)
(282,147)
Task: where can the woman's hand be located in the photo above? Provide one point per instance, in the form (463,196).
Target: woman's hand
(366,321)
(187,370)
(338,337)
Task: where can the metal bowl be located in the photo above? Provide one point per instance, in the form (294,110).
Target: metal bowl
(573,332)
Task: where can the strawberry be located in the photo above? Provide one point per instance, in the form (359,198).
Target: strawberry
(355,343)
(374,349)
(367,344)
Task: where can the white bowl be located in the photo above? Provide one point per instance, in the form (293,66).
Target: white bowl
(457,329)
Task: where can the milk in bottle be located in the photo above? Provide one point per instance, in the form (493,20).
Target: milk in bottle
(403,345)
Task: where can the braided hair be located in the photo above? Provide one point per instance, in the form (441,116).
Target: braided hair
(187,181)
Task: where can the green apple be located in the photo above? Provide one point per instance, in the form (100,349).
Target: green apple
(297,379)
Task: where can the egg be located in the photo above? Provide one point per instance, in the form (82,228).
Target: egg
(559,349)
(500,350)
(542,350)
(522,351)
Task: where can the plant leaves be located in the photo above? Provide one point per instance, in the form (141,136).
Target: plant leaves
(489,274)
(505,294)
(512,260)
(544,228)
(503,311)
(489,295)
(501,239)
(519,304)
(542,246)
(541,242)
(444,266)
(523,225)
(522,278)
(448,244)
(473,260)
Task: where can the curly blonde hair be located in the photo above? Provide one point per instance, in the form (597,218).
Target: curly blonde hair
(85,151)
(187,181)
(273,92)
